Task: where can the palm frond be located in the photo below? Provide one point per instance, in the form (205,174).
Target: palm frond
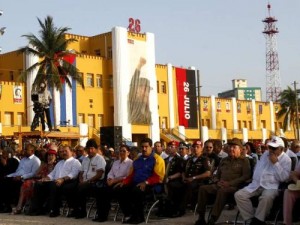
(50,46)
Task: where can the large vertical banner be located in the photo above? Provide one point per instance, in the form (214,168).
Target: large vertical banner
(139,89)
(187,98)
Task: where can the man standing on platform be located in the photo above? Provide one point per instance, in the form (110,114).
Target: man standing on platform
(45,99)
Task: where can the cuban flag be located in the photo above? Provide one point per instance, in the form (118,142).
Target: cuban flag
(65,100)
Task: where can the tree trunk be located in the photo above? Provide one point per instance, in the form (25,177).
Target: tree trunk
(54,108)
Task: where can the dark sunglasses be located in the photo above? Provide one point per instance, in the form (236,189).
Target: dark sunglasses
(272,148)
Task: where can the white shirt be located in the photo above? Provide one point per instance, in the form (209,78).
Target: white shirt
(70,167)
(291,154)
(222,154)
(90,166)
(27,167)
(268,175)
(44,98)
(186,157)
(120,169)
(164,155)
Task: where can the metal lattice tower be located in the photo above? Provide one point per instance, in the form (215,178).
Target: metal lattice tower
(273,85)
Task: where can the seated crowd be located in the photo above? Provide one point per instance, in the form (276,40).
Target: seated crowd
(186,177)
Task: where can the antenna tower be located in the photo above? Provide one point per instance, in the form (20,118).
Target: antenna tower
(273,85)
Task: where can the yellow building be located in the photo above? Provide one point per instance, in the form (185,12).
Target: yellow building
(114,65)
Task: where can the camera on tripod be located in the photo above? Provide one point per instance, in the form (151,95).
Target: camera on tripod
(34,97)
(37,106)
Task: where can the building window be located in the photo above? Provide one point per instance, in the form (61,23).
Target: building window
(100,121)
(263,124)
(244,124)
(98,52)
(109,53)
(250,125)
(20,121)
(8,118)
(11,75)
(90,80)
(280,125)
(99,80)
(224,123)
(80,118)
(157,84)
(239,125)
(111,81)
(164,123)
(91,120)
(164,87)
(208,123)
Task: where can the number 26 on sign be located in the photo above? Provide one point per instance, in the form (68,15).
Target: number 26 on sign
(134,25)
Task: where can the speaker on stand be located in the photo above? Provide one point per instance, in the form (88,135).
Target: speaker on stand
(111,136)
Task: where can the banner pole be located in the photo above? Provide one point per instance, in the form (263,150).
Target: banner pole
(199,103)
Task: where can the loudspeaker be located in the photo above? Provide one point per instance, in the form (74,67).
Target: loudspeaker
(111,136)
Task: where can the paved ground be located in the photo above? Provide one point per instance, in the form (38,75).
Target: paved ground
(188,219)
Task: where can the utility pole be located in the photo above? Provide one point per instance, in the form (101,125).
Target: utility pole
(297,110)
(199,103)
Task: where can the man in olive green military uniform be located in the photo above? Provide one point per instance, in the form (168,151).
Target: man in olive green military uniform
(232,172)
(197,172)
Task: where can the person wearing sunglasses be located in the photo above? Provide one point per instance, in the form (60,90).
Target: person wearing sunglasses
(209,152)
(273,168)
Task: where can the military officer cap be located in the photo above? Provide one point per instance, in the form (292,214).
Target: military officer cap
(183,145)
(173,143)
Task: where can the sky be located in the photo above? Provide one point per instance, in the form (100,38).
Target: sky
(221,38)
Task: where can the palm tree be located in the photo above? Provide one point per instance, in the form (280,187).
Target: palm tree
(51,48)
(287,99)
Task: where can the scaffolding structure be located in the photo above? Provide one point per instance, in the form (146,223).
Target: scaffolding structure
(273,81)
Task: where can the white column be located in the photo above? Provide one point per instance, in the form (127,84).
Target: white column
(120,79)
(272,117)
(224,134)
(56,97)
(264,134)
(83,131)
(30,60)
(153,103)
(181,130)
(245,135)
(205,134)
(171,95)
(234,114)
(281,133)
(253,110)
(213,113)
(69,108)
